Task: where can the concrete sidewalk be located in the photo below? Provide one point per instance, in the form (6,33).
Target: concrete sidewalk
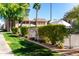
(4,48)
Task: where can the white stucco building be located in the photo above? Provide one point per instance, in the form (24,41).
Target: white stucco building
(61,22)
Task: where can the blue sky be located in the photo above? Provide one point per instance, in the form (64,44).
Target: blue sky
(43,12)
(58,10)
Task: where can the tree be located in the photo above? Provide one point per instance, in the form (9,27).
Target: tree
(13,12)
(37,7)
(73,17)
(72,14)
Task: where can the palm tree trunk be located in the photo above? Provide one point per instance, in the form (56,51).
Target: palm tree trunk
(36,24)
(50,11)
(36,17)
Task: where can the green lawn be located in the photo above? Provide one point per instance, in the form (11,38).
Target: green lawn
(21,47)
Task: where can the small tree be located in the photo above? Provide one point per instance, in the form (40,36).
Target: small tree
(37,7)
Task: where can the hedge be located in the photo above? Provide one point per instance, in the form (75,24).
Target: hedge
(55,33)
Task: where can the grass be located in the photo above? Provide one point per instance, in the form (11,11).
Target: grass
(22,47)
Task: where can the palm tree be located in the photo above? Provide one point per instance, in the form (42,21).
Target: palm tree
(50,14)
(37,7)
(50,11)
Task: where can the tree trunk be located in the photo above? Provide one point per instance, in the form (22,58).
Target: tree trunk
(50,11)
(10,25)
(36,17)
(13,23)
(36,25)
(7,24)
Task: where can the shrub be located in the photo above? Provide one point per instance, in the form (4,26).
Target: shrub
(15,30)
(56,33)
(60,45)
(24,30)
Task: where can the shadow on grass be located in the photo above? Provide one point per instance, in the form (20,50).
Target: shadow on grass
(3,30)
(25,48)
(11,35)
(31,49)
(8,33)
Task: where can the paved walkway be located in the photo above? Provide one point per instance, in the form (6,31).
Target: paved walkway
(4,48)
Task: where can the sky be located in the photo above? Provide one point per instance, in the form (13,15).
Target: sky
(43,12)
(58,10)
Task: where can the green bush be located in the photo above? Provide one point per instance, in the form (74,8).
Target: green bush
(24,30)
(55,33)
(15,30)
